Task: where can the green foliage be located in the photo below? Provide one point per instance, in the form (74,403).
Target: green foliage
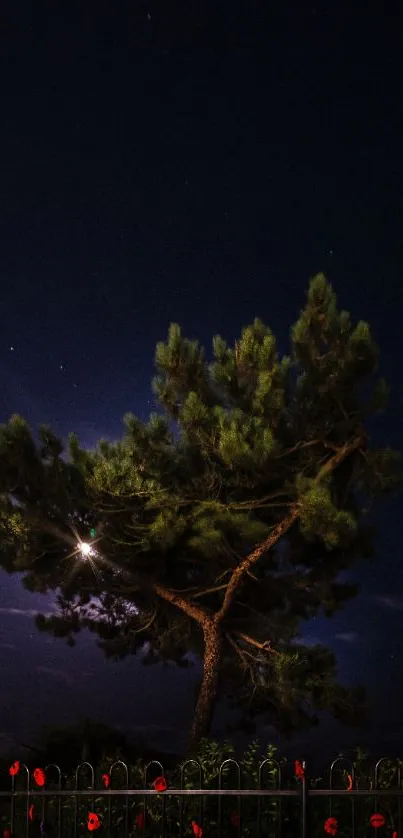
(215,765)
(233,456)
(208,770)
(321,518)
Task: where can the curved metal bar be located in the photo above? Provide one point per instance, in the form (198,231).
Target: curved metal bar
(115,765)
(184,767)
(351,773)
(119,763)
(182,802)
(45,800)
(378,766)
(12,805)
(223,766)
(59,773)
(79,768)
(266,762)
(333,768)
(270,761)
(146,782)
(148,766)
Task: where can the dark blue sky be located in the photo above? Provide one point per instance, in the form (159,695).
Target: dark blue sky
(194,163)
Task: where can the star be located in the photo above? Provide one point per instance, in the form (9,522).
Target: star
(12,348)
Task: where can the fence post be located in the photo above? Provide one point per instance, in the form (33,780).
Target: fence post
(304,803)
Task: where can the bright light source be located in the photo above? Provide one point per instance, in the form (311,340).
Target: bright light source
(85,549)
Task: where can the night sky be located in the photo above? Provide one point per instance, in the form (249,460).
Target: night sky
(192,162)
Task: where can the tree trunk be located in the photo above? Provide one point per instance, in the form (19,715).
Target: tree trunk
(206,699)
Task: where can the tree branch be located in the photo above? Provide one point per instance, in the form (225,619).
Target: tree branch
(281,528)
(148,624)
(308,444)
(244,663)
(263,646)
(196,592)
(46,525)
(201,615)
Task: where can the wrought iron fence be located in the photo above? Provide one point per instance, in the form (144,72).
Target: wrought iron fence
(268,801)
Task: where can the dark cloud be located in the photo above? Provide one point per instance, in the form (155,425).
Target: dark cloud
(390,601)
(347,636)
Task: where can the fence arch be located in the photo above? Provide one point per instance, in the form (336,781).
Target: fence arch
(181,802)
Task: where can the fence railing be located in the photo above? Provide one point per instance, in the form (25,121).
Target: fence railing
(265,800)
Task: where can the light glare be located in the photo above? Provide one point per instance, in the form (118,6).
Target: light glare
(85,549)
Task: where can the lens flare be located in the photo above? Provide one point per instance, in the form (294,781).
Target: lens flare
(85,549)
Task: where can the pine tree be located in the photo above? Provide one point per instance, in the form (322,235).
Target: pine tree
(219,525)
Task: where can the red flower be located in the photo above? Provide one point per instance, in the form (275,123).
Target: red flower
(377,820)
(140,820)
(349,782)
(160,784)
(299,770)
(331,826)
(234,817)
(14,768)
(107,780)
(31,812)
(197,830)
(39,777)
(93,822)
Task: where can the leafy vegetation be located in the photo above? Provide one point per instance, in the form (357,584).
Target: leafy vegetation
(216,528)
(213,767)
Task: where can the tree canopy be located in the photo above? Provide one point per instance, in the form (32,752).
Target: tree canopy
(218,526)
